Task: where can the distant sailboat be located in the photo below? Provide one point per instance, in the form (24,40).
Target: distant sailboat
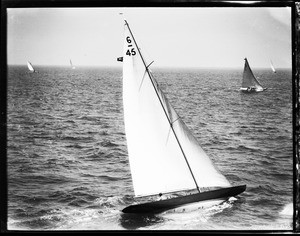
(73,67)
(30,67)
(165,158)
(272,67)
(250,83)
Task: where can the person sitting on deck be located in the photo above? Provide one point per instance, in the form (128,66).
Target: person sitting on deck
(161,197)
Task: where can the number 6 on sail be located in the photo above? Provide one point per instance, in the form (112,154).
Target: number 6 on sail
(165,158)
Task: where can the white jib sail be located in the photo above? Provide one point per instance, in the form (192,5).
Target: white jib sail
(30,67)
(157,151)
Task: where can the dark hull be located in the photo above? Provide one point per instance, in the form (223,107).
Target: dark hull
(164,205)
(246,91)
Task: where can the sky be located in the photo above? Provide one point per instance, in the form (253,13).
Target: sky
(172,37)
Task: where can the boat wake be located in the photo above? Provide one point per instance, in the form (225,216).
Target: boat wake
(174,219)
(101,213)
(197,218)
(206,208)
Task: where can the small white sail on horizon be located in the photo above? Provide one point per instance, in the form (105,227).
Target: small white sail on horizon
(164,156)
(30,67)
(72,66)
(272,67)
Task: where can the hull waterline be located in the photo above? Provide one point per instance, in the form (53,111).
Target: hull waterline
(168,204)
(245,90)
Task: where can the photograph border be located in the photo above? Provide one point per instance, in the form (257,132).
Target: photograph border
(295,10)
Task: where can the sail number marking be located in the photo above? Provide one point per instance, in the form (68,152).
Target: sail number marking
(132,51)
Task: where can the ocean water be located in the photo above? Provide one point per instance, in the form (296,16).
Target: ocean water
(67,157)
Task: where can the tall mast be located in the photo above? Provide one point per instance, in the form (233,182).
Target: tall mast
(170,123)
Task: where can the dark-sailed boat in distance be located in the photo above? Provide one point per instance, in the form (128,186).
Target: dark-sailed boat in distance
(165,158)
(250,84)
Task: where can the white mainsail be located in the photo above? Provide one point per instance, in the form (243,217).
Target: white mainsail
(30,67)
(272,67)
(164,156)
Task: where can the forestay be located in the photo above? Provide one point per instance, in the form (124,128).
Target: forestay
(164,156)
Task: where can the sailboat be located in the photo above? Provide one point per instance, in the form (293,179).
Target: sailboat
(30,67)
(250,83)
(165,158)
(73,67)
(272,67)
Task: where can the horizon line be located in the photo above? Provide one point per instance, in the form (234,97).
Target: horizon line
(158,67)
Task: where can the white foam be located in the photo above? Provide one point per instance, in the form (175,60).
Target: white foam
(287,210)
(93,219)
(232,199)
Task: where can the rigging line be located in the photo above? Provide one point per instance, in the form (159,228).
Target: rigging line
(164,108)
(142,81)
(170,129)
(175,120)
(168,135)
(149,64)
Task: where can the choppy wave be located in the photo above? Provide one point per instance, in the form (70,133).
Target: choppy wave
(67,154)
